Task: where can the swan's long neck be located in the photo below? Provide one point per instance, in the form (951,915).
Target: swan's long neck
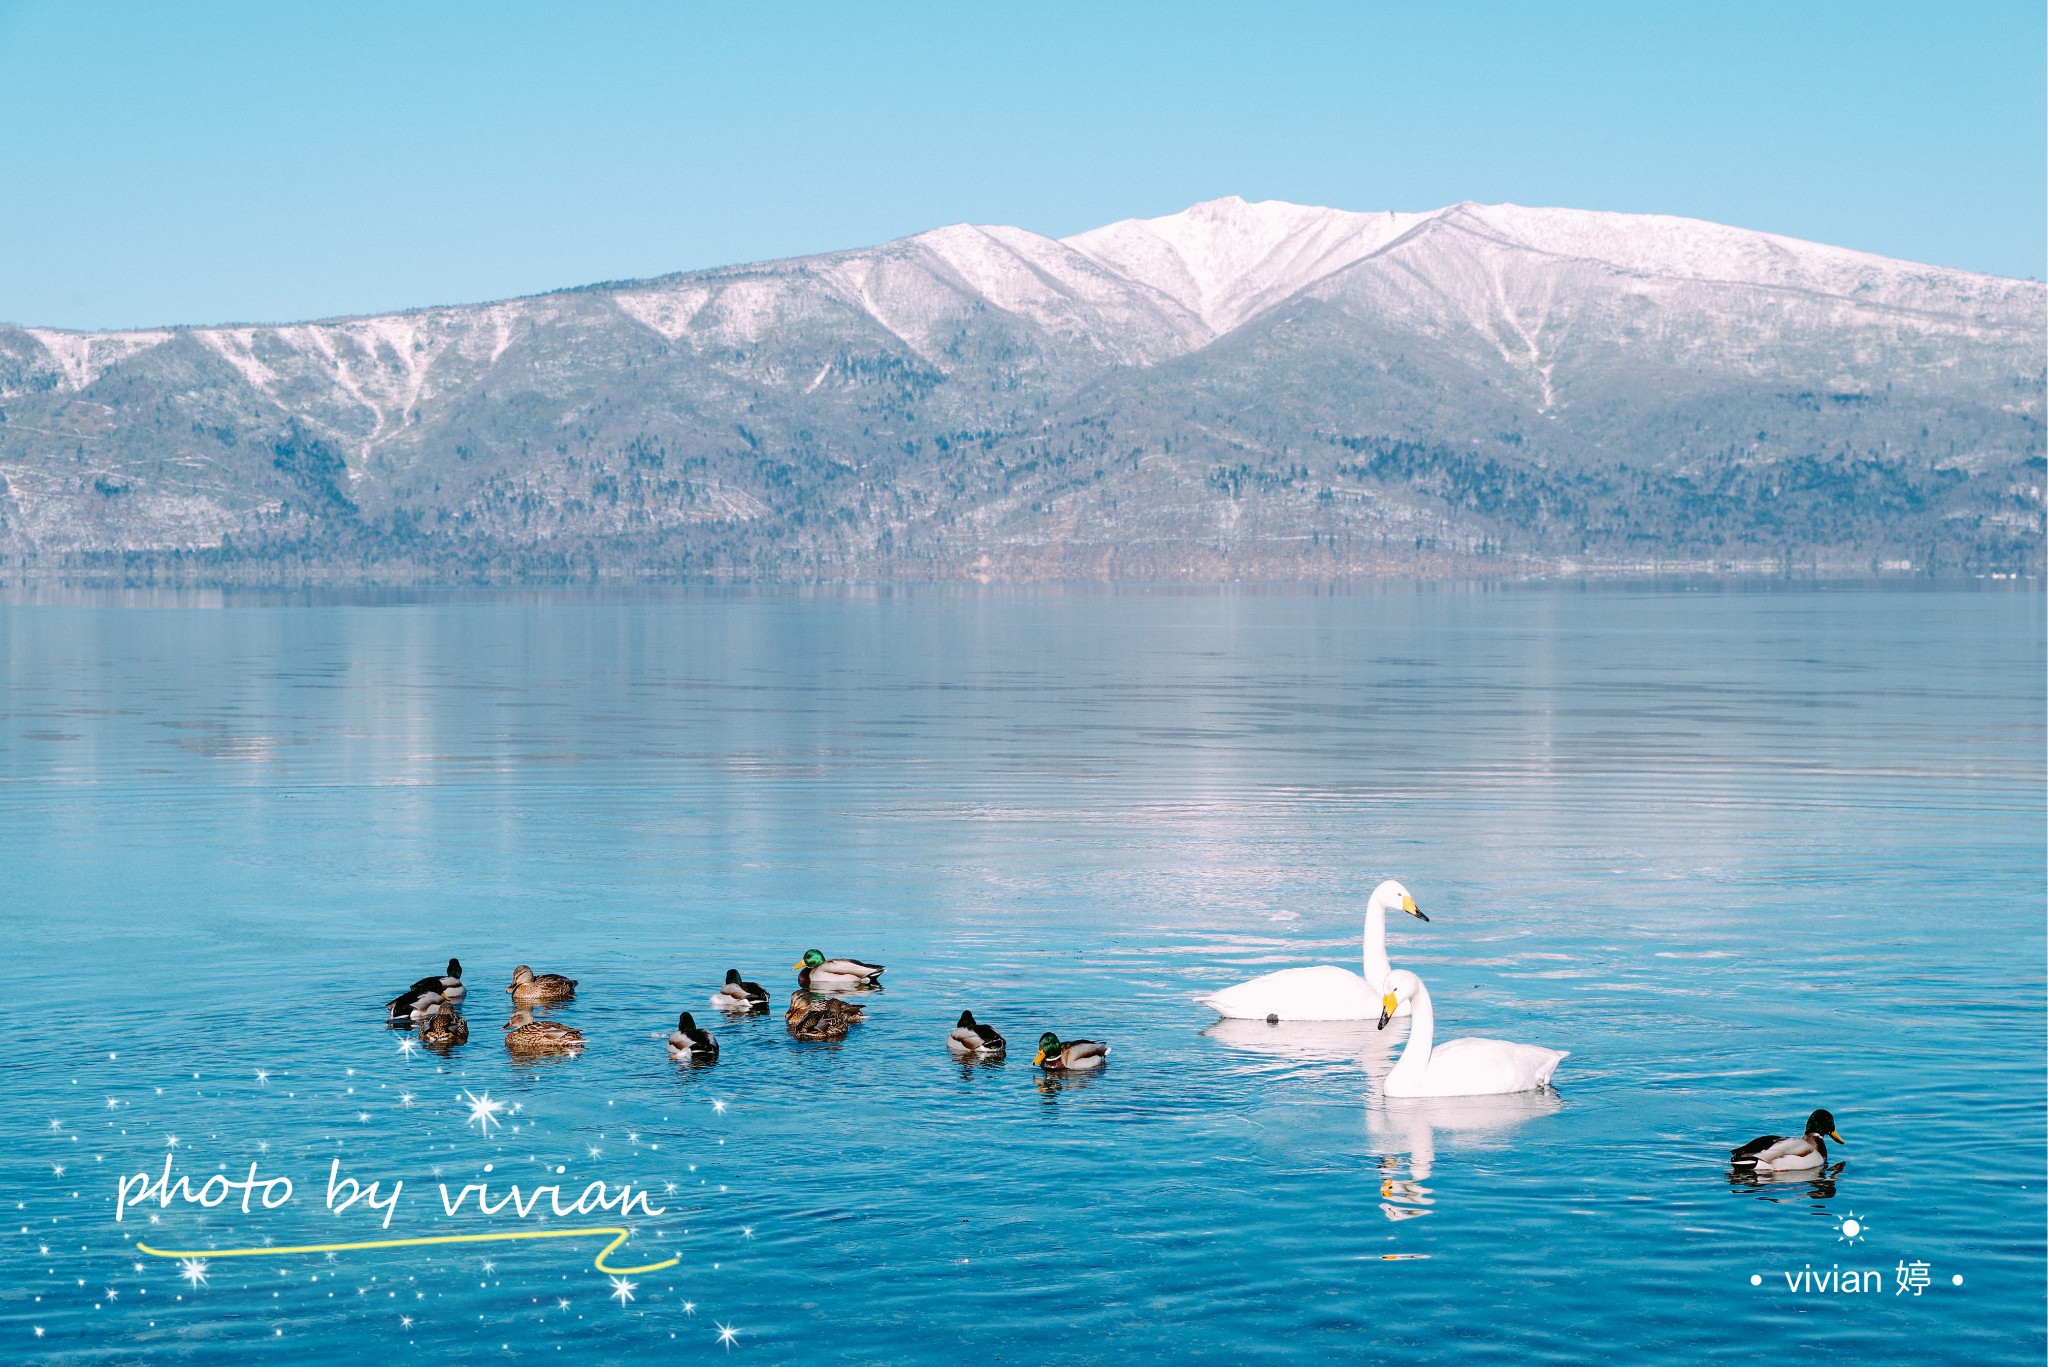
(1376,966)
(1421,1036)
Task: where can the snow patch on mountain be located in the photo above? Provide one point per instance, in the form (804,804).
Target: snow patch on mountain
(82,357)
(1225,260)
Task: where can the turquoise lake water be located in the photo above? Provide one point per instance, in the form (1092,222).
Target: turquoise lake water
(1742,852)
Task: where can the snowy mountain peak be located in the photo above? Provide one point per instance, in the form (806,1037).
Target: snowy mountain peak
(1227,259)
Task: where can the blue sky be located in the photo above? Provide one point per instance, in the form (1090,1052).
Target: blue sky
(207,162)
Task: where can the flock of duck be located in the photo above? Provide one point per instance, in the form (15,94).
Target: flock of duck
(1455,1068)
(431,1006)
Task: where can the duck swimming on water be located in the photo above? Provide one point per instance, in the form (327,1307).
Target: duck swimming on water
(837,974)
(817,1022)
(449,984)
(1779,1153)
(412,1006)
(547,987)
(690,1043)
(972,1039)
(738,996)
(525,1035)
(804,1000)
(442,1028)
(1074,1056)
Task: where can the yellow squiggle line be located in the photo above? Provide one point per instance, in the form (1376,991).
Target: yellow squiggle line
(599,1263)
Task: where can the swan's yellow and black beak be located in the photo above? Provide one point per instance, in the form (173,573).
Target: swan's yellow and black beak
(1389,1004)
(1408,905)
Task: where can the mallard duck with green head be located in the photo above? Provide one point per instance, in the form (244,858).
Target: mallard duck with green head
(1073,1056)
(837,975)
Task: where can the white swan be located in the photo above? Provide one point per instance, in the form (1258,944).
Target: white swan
(1460,1067)
(1324,993)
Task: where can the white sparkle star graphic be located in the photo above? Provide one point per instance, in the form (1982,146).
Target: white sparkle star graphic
(718,1108)
(113,1102)
(170,1141)
(562,1302)
(490,1267)
(405,1321)
(407,1046)
(262,1076)
(55,1126)
(405,1098)
(746,1231)
(595,1151)
(112,1293)
(483,1111)
(728,1335)
(362,1115)
(622,1290)
(263,1146)
(689,1307)
(193,1270)
(57,1169)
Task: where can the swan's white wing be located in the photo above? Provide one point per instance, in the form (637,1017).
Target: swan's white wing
(1322,993)
(1484,1067)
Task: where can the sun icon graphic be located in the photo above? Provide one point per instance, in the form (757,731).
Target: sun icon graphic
(1851,1228)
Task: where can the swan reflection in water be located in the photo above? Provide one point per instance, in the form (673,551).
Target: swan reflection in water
(1360,1042)
(1816,1184)
(1407,1130)
(1404,1130)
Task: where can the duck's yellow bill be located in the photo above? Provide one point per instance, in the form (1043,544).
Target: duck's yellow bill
(798,964)
(1836,1135)
(1038,1058)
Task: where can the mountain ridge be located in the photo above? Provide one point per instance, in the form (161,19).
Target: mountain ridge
(966,402)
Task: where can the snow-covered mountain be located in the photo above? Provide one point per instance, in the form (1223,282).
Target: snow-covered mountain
(1260,388)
